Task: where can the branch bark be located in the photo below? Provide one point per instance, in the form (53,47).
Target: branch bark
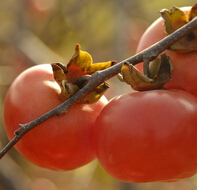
(99,77)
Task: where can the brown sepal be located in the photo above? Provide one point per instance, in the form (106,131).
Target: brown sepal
(160,73)
(173,20)
(75,75)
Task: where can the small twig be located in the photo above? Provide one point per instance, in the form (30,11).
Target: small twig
(146,67)
(99,77)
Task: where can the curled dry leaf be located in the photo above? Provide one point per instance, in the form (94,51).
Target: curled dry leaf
(176,18)
(160,73)
(75,75)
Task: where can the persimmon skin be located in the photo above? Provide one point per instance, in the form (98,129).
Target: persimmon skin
(184,75)
(148,136)
(60,143)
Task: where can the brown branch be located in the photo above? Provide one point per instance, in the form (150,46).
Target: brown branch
(99,77)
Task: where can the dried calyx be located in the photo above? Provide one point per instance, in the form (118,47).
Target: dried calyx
(76,74)
(176,18)
(158,72)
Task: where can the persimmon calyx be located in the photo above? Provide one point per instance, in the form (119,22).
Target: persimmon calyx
(160,73)
(81,64)
(176,18)
(75,75)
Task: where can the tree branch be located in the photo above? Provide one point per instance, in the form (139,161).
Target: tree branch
(99,77)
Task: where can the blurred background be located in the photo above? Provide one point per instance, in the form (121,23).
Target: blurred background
(44,31)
